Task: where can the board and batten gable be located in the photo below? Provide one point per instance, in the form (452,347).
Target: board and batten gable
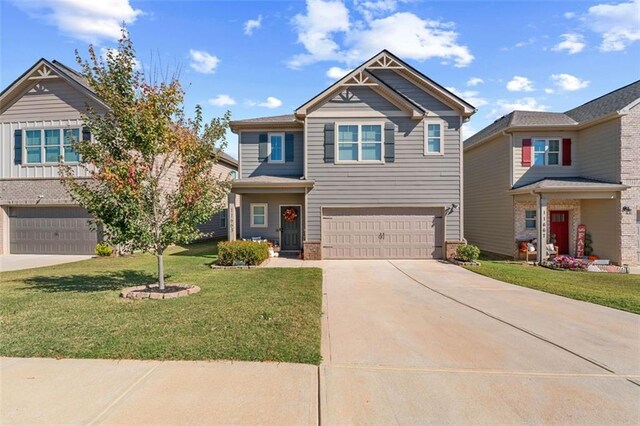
(488,205)
(46,104)
(411,180)
(249,143)
(357,99)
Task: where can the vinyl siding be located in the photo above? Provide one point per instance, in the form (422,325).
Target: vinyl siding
(212,226)
(358,99)
(599,217)
(273,214)
(598,153)
(252,167)
(413,180)
(523,175)
(410,90)
(488,219)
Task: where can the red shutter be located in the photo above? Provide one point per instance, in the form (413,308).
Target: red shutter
(566,152)
(526,152)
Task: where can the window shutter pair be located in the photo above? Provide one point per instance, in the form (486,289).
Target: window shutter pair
(389,142)
(263,140)
(527,148)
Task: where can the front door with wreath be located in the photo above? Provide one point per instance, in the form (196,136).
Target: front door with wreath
(290,228)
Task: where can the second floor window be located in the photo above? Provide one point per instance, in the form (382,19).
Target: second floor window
(359,142)
(51,146)
(276,147)
(546,152)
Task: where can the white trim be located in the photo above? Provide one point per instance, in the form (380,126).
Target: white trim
(304,147)
(280,222)
(266,215)
(320,113)
(269,159)
(461,184)
(336,159)
(239,156)
(546,151)
(425,128)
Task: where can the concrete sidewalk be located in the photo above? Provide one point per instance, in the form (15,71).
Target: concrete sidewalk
(48,391)
(16,262)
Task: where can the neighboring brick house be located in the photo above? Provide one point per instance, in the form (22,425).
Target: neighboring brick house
(38,114)
(369,168)
(561,169)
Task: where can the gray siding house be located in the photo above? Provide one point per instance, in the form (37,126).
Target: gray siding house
(369,168)
(542,174)
(38,112)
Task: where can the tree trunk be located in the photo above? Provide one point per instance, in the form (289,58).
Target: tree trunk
(160,257)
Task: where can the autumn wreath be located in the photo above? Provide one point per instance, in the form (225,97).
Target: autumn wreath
(290,215)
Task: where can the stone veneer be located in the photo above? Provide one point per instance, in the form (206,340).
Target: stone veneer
(573,206)
(312,250)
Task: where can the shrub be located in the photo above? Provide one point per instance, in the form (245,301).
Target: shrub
(467,253)
(104,249)
(243,252)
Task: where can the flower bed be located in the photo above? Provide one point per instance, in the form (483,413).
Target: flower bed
(565,262)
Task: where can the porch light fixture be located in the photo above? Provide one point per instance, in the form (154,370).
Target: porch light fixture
(453,207)
(626,209)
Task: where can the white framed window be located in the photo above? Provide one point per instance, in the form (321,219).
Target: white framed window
(530,219)
(433,137)
(359,143)
(223,218)
(546,152)
(276,147)
(50,146)
(259,215)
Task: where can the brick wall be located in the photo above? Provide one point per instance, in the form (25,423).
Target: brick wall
(630,175)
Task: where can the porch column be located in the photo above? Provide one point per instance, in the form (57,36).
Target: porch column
(542,227)
(231,216)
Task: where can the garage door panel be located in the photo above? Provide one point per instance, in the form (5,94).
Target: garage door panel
(382,233)
(51,230)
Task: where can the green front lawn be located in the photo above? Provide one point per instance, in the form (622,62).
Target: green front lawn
(620,291)
(74,311)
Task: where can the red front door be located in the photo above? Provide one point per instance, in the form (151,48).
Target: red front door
(560,227)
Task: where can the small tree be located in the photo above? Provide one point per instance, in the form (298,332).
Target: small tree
(151,180)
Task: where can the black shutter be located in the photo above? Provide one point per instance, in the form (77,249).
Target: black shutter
(329,142)
(17,146)
(389,142)
(288,147)
(86,134)
(262,146)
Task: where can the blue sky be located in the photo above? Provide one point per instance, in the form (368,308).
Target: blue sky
(260,58)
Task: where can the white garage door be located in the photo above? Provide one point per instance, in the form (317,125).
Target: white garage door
(51,230)
(382,233)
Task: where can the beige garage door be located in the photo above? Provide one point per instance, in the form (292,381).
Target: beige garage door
(382,233)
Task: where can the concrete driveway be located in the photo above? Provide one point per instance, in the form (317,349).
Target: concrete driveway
(15,262)
(417,342)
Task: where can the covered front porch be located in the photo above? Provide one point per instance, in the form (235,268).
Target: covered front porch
(273,209)
(551,210)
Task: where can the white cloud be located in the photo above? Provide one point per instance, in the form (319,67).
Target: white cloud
(618,24)
(474,81)
(337,72)
(252,24)
(571,42)
(222,100)
(570,15)
(471,96)
(327,22)
(90,21)
(503,106)
(203,62)
(520,84)
(549,91)
(270,103)
(373,8)
(468,130)
(568,82)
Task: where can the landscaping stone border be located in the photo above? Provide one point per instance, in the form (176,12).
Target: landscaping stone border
(263,264)
(135,293)
(463,263)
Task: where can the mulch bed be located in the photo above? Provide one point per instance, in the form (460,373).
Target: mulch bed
(154,292)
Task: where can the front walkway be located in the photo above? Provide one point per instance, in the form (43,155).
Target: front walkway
(15,262)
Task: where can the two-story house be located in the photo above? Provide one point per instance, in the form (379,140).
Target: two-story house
(369,168)
(542,174)
(40,113)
